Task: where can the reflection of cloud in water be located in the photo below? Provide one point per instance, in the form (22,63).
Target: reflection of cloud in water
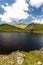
(6,38)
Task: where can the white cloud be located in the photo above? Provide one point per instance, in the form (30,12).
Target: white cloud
(36,3)
(38,21)
(16,11)
(6,4)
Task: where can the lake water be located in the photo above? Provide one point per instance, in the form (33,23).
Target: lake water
(20,41)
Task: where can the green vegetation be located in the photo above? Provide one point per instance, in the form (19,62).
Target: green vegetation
(9,28)
(22,26)
(35,28)
(23,58)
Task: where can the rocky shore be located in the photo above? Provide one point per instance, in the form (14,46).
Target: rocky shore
(34,57)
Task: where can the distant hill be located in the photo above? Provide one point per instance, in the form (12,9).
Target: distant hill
(9,28)
(33,27)
(20,25)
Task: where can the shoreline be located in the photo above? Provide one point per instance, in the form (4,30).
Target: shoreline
(37,32)
(31,32)
(34,57)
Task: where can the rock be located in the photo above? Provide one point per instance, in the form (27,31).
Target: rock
(20,57)
(39,63)
(20,60)
(4,57)
(37,52)
(41,49)
(12,62)
(18,54)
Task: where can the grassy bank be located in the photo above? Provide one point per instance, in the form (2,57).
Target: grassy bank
(34,57)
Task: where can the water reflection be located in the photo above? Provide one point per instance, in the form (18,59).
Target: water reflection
(20,41)
(6,37)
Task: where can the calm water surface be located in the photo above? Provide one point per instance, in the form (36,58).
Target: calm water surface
(20,41)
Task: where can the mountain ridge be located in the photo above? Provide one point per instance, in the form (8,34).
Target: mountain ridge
(34,27)
(9,28)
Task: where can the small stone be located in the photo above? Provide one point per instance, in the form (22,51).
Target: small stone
(41,49)
(11,62)
(4,57)
(20,57)
(39,63)
(20,60)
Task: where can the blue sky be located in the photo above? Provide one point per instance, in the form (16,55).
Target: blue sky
(21,11)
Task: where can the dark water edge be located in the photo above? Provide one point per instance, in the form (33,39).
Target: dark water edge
(10,42)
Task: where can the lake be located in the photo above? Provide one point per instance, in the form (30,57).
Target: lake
(10,42)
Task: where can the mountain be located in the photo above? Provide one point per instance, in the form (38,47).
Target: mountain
(9,28)
(33,27)
(20,25)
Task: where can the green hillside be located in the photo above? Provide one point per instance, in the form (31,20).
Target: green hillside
(22,26)
(38,28)
(9,28)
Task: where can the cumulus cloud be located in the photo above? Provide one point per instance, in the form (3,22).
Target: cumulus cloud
(36,3)
(38,21)
(16,11)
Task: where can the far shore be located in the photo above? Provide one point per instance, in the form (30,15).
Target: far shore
(38,32)
(23,31)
